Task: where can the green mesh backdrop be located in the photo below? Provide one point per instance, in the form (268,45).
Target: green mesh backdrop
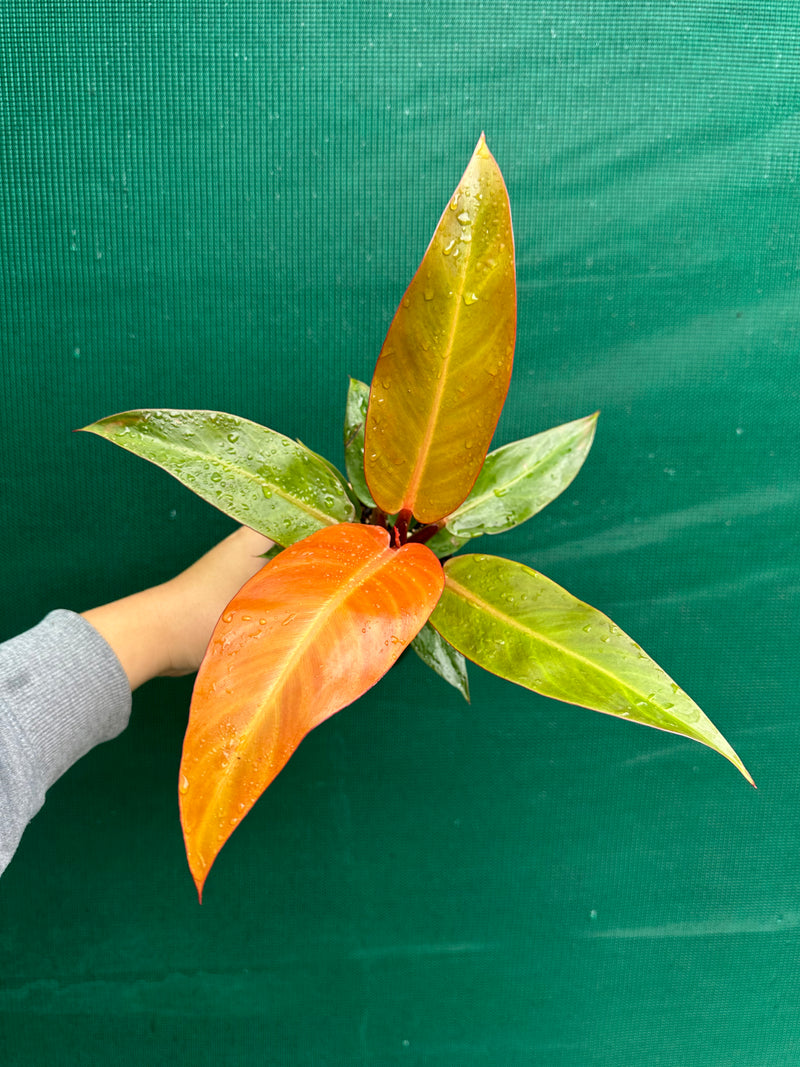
(219,205)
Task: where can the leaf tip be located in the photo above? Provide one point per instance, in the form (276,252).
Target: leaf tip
(747,774)
(730,754)
(199,874)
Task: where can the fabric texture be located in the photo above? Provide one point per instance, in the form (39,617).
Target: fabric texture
(62,691)
(219,205)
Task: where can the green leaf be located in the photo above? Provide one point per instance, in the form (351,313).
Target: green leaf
(355,417)
(255,475)
(445,544)
(521,626)
(337,474)
(441,657)
(521,478)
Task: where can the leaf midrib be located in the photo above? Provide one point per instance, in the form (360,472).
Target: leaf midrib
(424,451)
(490,609)
(219,462)
(302,644)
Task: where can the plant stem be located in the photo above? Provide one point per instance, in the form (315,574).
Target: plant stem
(424,533)
(401,526)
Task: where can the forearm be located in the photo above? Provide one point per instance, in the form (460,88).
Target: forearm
(66,684)
(62,691)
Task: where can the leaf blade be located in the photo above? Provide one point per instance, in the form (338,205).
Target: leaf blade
(333,613)
(442,658)
(253,474)
(444,368)
(519,625)
(355,418)
(521,478)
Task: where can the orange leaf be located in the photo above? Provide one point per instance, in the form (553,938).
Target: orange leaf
(313,630)
(443,372)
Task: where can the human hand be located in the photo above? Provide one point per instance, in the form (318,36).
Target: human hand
(165,630)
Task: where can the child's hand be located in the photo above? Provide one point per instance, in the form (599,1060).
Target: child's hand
(166,629)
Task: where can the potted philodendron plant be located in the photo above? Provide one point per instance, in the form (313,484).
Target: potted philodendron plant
(366,564)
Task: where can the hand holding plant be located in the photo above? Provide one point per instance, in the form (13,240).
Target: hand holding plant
(361,576)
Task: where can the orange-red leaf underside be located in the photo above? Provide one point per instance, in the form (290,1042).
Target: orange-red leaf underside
(313,630)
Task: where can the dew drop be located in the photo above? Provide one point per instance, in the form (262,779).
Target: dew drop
(183,784)
(469,299)
(428,294)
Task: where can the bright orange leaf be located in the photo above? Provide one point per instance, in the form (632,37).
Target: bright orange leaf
(444,369)
(313,630)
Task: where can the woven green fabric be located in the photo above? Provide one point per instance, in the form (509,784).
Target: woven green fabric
(219,205)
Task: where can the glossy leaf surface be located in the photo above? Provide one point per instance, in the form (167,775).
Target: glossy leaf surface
(521,626)
(311,632)
(442,658)
(355,417)
(257,476)
(521,478)
(445,544)
(443,372)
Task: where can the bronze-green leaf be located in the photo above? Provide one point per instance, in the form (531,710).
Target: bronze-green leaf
(521,626)
(257,476)
(443,372)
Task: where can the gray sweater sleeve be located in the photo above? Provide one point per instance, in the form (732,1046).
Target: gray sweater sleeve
(62,691)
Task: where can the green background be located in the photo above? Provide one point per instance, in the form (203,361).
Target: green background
(219,205)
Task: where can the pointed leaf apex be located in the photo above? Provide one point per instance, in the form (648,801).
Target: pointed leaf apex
(729,754)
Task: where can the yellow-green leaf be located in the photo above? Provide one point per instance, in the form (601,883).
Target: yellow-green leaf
(521,626)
